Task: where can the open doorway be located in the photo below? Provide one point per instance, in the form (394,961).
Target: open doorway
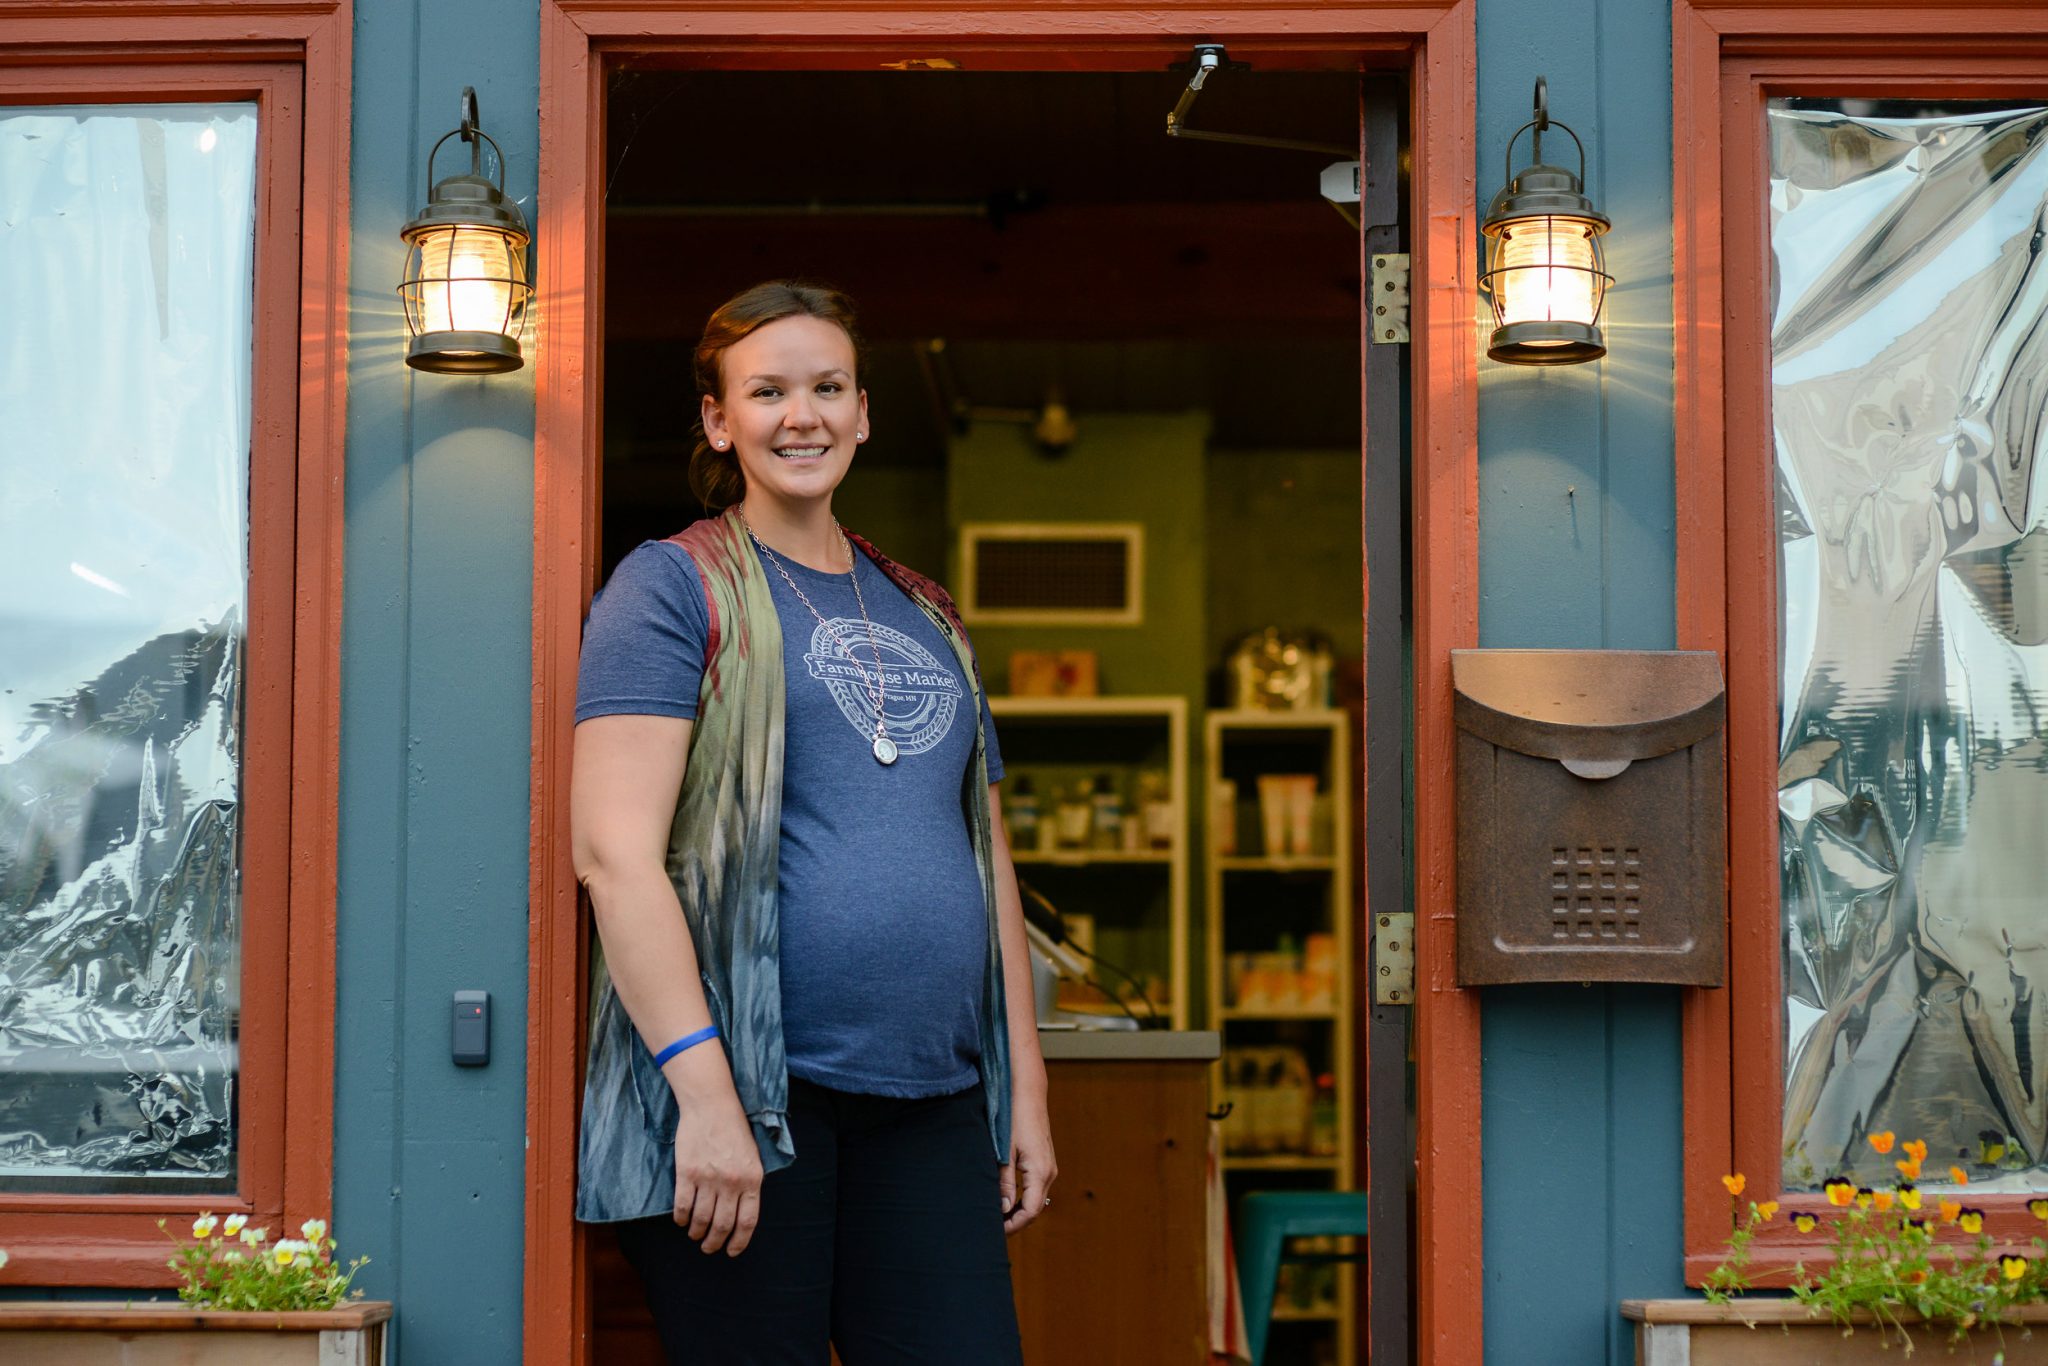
(1145,354)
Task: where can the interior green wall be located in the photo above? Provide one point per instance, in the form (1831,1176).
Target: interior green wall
(1582,1142)
(1284,537)
(1126,467)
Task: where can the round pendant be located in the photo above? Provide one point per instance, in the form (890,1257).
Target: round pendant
(885,749)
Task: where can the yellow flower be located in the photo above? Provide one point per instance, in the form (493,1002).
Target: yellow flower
(313,1230)
(284,1253)
(1909,1196)
(1882,1199)
(1841,1191)
(1971,1220)
(1915,1149)
(2014,1267)
(1864,1195)
(1950,1211)
(202,1227)
(1908,1168)
(236,1222)
(1766,1210)
(1959,1176)
(1734,1183)
(1804,1222)
(2038,1207)
(1882,1142)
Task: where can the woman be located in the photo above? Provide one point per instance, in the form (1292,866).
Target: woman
(813,1049)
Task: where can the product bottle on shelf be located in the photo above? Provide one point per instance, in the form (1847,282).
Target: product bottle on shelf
(1020,809)
(1076,816)
(1107,808)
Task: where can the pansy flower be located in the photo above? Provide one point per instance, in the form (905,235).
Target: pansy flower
(2038,1207)
(1766,1210)
(1864,1195)
(1951,1210)
(202,1227)
(1908,1168)
(1883,1142)
(1971,1220)
(1840,1191)
(1909,1196)
(1915,1149)
(2013,1266)
(1734,1183)
(1804,1221)
(1959,1176)
(1882,1199)
(235,1224)
(1990,1147)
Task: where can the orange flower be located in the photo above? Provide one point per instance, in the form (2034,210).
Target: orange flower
(1882,1199)
(1882,1142)
(1841,1191)
(1804,1222)
(1734,1183)
(1959,1176)
(1908,1168)
(2014,1267)
(1916,1277)
(1915,1149)
(1950,1211)
(1766,1210)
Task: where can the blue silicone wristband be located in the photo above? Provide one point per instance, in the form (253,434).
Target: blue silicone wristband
(687,1041)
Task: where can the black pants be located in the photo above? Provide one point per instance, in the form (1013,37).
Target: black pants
(884,1237)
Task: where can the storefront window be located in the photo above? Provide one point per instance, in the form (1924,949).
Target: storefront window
(126,242)
(1909,352)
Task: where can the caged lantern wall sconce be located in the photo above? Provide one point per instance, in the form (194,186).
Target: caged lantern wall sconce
(465,289)
(1546,277)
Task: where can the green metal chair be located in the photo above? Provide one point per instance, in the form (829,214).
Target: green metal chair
(1265,1221)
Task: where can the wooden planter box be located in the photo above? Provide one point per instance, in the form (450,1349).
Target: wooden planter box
(1780,1332)
(81,1333)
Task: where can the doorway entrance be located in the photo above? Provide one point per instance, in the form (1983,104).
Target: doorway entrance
(1115,384)
(1118,349)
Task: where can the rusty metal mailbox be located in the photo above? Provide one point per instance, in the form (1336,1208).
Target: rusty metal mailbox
(1591,833)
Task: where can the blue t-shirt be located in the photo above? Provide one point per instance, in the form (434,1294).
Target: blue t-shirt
(884,930)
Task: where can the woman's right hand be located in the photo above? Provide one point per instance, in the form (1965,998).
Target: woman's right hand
(718,1166)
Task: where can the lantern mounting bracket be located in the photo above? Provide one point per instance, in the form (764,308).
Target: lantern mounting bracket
(1208,59)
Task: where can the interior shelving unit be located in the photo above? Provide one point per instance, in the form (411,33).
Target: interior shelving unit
(1138,898)
(1257,900)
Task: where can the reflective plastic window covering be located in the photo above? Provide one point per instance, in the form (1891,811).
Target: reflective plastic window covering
(1909,353)
(126,240)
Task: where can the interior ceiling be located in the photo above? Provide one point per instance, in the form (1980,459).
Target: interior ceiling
(1043,223)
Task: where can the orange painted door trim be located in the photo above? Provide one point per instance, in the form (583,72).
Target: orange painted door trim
(1435,42)
(1727,60)
(293,61)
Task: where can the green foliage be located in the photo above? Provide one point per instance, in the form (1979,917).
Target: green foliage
(228,1266)
(1894,1254)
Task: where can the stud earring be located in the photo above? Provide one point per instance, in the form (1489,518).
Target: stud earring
(720,443)
(860,436)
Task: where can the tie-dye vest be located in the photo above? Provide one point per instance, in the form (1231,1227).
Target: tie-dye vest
(722,857)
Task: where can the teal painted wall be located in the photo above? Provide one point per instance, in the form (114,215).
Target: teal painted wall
(436,632)
(1582,1144)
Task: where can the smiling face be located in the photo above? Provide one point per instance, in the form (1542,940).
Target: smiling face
(791,411)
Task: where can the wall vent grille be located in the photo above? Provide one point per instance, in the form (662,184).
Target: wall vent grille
(1052,573)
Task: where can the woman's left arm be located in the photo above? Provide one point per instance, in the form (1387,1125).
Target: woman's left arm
(1028,1176)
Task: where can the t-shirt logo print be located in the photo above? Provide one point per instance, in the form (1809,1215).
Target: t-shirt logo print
(922,694)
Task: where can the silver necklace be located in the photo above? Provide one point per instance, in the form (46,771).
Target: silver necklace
(877,687)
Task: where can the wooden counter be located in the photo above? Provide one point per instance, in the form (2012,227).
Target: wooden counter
(1116,1270)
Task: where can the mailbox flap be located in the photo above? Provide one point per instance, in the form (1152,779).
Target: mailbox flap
(1595,710)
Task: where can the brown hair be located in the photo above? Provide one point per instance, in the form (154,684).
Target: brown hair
(715,475)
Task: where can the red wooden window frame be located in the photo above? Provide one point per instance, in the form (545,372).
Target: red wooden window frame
(1728,60)
(291,61)
(1435,40)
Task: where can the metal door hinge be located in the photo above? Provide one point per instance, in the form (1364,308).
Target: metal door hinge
(1388,305)
(1393,959)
